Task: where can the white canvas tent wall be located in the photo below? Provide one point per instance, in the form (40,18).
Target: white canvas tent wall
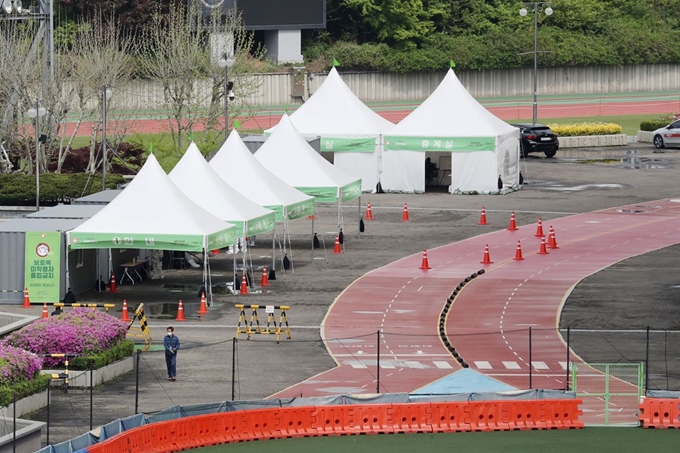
(288,156)
(483,148)
(198,181)
(237,166)
(152,213)
(346,127)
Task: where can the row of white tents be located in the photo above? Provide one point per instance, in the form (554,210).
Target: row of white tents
(484,150)
(202,206)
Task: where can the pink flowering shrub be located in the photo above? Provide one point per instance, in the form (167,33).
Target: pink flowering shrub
(17,365)
(79,331)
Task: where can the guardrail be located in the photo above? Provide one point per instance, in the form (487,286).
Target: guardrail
(660,413)
(334,420)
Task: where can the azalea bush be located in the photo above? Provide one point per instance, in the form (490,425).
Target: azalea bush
(81,331)
(17,365)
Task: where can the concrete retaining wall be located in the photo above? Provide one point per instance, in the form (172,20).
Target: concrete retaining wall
(587,141)
(81,378)
(27,435)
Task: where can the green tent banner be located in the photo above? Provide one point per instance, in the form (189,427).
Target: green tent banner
(351,191)
(300,209)
(43,270)
(440,144)
(347,145)
(261,224)
(178,242)
(321,194)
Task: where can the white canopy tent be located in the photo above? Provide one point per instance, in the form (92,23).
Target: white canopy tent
(288,156)
(237,166)
(484,149)
(152,213)
(346,127)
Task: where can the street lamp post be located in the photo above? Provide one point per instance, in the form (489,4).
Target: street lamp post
(227,62)
(106,95)
(536,6)
(36,113)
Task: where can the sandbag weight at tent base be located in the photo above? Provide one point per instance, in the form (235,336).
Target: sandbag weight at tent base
(254,327)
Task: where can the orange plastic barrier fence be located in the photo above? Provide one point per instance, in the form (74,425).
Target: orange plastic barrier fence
(282,422)
(660,413)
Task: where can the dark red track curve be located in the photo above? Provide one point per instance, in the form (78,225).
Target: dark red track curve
(404,302)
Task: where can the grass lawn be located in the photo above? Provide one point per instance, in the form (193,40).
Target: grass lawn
(600,440)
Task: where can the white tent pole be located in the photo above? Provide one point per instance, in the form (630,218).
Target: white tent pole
(110,266)
(359,218)
(274,247)
(313,215)
(290,249)
(68,275)
(233,265)
(97,269)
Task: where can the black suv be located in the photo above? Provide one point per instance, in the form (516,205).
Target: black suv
(537,138)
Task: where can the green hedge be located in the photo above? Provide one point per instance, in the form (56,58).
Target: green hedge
(119,352)
(23,389)
(18,189)
(654,124)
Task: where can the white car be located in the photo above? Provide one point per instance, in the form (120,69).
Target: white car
(667,136)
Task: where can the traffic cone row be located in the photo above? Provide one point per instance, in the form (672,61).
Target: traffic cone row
(265,277)
(336,248)
(513,225)
(543,250)
(44,313)
(369,212)
(203,308)
(552,242)
(27,300)
(244,285)
(487,257)
(404,215)
(518,252)
(180,312)
(482,217)
(425,265)
(125,316)
(112,283)
(539,229)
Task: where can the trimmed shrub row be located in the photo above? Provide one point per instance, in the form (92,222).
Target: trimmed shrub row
(18,189)
(581,129)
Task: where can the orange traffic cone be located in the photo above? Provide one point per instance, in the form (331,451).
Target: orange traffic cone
(513,225)
(552,241)
(27,301)
(543,250)
(369,212)
(125,316)
(265,277)
(180,312)
(487,257)
(336,248)
(112,283)
(45,314)
(425,264)
(244,284)
(482,218)
(539,229)
(518,253)
(203,309)
(216,252)
(404,215)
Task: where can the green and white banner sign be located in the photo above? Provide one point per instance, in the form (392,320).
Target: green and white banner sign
(351,191)
(43,270)
(300,209)
(179,242)
(347,145)
(321,194)
(261,224)
(440,144)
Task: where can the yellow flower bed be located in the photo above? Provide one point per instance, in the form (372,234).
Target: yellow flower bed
(579,129)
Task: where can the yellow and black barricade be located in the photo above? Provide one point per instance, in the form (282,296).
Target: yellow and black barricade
(106,307)
(64,375)
(253,326)
(143,330)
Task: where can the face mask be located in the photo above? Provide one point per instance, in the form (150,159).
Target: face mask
(169,334)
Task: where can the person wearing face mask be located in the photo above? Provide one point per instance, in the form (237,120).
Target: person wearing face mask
(171,343)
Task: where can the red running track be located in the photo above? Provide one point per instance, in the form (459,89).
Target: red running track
(489,319)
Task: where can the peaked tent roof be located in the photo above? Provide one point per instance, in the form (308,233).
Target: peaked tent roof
(451,111)
(335,111)
(152,213)
(237,166)
(288,155)
(200,183)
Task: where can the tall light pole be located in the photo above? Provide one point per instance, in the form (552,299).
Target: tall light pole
(106,95)
(227,62)
(36,113)
(536,6)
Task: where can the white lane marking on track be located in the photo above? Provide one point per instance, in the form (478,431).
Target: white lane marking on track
(420,288)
